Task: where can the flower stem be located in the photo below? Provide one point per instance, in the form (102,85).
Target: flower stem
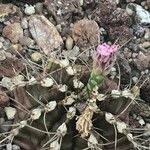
(95,80)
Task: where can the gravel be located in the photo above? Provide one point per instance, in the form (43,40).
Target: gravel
(29,10)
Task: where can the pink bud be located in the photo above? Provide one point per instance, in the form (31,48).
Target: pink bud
(104,58)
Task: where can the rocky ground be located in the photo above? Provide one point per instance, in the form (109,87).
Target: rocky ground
(41,39)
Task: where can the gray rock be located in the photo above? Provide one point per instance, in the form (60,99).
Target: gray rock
(16,147)
(29,10)
(24,23)
(6,128)
(141,15)
(2,55)
(2,39)
(69,43)
(146,44)
(39,8)
(2,120)
(45,34)
(9,146)
(26,41)
(1,45)
(13,32)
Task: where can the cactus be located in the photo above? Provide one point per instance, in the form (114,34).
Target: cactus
(60,108)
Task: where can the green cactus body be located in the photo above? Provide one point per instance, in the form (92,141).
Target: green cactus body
(94,80)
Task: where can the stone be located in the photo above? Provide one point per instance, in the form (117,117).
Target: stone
(2,55)
(26,41)
(24,23)
(29,10)
(6,10)
(69,43)
(16,49)
(13,32)
(39,8)
(15,147)
(1,45)
(9,146)
(86,33)
(142,62)
(141,122)
(141,15)
(3,98)
(2,120)
(147,34)
(146,44)
(6,126)
(45,34)
(148,4)
(62,9)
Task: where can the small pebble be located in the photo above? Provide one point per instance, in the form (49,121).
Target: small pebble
(2,55)
(6,126)
(2,120)
(39,8)
(29,10)
(13,32)
(24,23)
(27,41)
(69,43)
(16,49)
(36,57)
(1,45)
(134,55)
(142,72)
(113,74)
(16,147)
(147,34)
(10,112)
(141,122)
(146,45)
(9,146)
(146,71)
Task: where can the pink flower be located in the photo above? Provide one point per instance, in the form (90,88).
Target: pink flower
(104,58)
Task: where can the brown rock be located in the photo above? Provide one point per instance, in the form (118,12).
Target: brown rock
(86,33)
(6,9)
(45,34)
(10,13)
(13,32)
(62,9)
